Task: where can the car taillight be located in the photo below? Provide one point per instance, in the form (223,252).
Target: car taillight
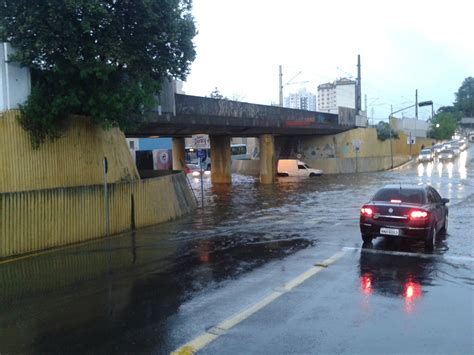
(418,214)
(395,201)
(366,211)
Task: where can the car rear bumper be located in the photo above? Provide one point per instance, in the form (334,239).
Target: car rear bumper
(410,232)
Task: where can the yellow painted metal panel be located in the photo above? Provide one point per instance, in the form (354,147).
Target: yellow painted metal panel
(75,159)
(42,219)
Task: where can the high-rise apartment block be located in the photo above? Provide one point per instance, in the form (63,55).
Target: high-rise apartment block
(340,93)
(303,100)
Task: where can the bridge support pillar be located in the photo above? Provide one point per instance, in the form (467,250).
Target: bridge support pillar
(179,154)
(220,160)
(267,159)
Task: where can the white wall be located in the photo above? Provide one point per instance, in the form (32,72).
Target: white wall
(417,128)
(345,96)
(15,81)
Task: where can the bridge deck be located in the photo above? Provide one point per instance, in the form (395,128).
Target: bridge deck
(239,119)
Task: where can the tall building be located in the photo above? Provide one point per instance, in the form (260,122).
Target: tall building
(303,100)
(340,93)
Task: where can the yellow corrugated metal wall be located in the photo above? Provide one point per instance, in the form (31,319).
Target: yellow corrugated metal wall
(76,159)
(37,220)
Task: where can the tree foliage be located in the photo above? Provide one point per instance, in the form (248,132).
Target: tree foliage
(383,131)
(465,98)
(100,58)
(443,125)
(216,94)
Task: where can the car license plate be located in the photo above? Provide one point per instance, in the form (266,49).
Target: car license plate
(390,231)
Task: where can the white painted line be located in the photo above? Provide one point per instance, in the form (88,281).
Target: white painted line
(417,255)
(213,333)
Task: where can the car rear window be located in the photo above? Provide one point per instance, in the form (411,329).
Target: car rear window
(426,151)
(404,195)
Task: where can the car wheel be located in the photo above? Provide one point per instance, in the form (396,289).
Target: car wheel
(444,230)
(367,238)
(431,239)
(312,175)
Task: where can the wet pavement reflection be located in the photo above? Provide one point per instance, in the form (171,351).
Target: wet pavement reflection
(131,292)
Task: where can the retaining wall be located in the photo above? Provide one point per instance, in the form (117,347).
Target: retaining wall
(42,219)
(335,154)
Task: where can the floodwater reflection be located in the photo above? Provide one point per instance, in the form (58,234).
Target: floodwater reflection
(405,277)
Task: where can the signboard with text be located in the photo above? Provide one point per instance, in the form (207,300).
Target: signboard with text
(201,141)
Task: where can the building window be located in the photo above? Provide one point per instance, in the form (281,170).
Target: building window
(132,145)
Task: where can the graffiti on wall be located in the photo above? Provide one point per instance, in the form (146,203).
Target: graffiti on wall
(321,152)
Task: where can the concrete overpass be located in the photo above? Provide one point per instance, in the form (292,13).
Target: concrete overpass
(198,115)
(183,115)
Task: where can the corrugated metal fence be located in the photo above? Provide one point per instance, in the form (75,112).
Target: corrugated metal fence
(38,220)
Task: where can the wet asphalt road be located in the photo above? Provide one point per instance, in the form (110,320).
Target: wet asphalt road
(249,257)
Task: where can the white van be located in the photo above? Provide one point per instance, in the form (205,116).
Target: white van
(293,167)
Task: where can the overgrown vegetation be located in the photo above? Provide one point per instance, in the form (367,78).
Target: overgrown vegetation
(383,131)
(101,58)
(447,118)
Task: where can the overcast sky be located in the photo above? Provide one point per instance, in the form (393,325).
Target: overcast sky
(404,45)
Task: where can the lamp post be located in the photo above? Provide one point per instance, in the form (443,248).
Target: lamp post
(420,104)
(427,103)
(390,129)
(281,85)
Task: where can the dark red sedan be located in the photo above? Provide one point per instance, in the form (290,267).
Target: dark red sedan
(405,211)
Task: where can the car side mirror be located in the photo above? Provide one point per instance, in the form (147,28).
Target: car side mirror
(444,201)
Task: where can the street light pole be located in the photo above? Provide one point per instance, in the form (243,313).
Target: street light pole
(421,104)
(390,128)
(281,88)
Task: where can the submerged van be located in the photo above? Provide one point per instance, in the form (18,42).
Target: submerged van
(293,167)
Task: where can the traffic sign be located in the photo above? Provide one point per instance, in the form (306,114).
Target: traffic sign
(356,145)
(201,141)
(201,154)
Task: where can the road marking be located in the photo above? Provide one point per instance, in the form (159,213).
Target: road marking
(406,253)
(213,333)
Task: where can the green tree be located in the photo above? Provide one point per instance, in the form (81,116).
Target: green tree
(465,98)
(443,125)
(216,94)
(100,58)
(383,131)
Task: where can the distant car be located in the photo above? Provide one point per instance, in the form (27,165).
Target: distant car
(456,148)
(195,170)
(446,146)
(426,155)
(293,167)
(446,155)
(404,211)
(437,148)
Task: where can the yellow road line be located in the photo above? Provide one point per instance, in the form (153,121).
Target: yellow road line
(215,332)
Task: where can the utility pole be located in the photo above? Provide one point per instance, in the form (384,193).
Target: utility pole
(416,114)
(358,93)
(281,88)
(416,103)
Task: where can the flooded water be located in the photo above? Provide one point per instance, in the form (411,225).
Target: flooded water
(147,291)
